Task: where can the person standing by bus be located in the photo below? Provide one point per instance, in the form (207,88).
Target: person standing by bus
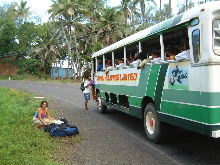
(86,92)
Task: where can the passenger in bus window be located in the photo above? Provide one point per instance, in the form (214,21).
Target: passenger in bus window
(108,67)
(130,60)
(100,66)
(155,56)
(171,52)
(120,64)
(144,60)
(136,61)
(116,62)
(185,54)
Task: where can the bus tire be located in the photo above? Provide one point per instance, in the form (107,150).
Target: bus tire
(102,108)
(152,124)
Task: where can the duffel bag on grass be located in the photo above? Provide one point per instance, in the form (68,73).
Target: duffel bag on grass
(64,130)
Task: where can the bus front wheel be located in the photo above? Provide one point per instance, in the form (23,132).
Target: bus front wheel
(152,124)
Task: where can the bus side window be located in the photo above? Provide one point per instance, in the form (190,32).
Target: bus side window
(216,36)
(196,45)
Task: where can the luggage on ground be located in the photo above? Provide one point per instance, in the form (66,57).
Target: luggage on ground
(62,130)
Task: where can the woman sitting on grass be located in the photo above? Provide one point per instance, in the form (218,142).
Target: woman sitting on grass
(42,116)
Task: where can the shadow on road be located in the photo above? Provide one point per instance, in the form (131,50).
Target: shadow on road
(184,146)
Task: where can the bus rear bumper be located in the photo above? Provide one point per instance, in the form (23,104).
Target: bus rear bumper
(216,134)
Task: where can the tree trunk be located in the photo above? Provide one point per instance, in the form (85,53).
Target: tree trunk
(170,7)
(142,6)
(132,17)
(69,56)
(69,44)
(160,10)
(77,54)
(186,8)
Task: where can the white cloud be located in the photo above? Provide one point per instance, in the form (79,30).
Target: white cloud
(40,8)
(114,3)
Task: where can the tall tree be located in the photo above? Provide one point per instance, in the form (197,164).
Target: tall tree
(185,6)
(143,9)
(67,13)
(111,26)
(125,9)
(22,11)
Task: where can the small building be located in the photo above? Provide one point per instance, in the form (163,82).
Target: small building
(57,72)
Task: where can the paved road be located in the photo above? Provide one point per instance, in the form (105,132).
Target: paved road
(118,139)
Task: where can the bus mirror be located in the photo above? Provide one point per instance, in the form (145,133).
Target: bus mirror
(194,22)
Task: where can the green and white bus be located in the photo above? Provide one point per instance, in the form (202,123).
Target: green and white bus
(183,92)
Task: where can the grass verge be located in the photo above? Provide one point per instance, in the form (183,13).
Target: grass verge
(47,78)
(20,141)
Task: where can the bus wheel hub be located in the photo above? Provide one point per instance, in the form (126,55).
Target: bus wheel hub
(151,122)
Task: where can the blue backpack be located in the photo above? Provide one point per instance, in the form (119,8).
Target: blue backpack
(62,130)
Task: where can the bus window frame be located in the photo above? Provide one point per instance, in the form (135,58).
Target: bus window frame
(216,18)
(103,61)
(96,64)
(199,52)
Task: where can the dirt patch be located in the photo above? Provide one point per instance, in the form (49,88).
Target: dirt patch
(8,69)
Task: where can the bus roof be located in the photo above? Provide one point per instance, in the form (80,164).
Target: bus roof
(160,27)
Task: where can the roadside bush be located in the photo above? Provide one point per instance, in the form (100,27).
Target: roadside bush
(27,65)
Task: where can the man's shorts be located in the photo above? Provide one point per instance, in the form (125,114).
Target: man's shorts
(87,96)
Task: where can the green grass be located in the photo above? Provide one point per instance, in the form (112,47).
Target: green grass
(20,141)
(37,78)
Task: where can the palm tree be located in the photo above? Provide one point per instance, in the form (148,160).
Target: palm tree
(22,11)
(94,9)
(111,26)
(67,13)
(125,9)
(143,9)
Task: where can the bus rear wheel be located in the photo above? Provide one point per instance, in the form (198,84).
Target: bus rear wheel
(152,124)
(102,108)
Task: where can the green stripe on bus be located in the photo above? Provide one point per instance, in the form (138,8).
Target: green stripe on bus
(160,84)
(197,113)
(192,97)
(189,124)
(152,81)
